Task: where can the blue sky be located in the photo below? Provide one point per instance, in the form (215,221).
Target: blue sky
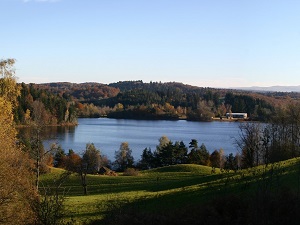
(215,43)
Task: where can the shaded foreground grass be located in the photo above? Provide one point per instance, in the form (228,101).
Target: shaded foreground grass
(156,193)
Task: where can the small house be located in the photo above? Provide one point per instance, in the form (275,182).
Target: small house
(236,115)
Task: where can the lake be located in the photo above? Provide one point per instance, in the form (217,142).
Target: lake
(108,134)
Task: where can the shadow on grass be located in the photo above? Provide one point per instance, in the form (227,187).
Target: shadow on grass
(255,198)
(278,209)
(134,184)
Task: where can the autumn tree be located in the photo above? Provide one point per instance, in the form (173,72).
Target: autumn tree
(163,141)
(203,111)
(17,192)
(9,89)
(123,157)
(73,161)
(91,158)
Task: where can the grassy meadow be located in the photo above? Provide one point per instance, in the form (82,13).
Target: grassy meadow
(167,189)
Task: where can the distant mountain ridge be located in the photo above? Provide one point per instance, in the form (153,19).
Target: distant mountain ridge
(271,88)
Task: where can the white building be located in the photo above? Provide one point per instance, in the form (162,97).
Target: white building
(237,115)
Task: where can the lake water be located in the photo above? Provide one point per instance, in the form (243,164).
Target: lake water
(108,134)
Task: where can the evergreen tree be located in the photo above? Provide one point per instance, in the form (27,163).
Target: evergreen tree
(215,159)
(180,153)
(60,157)
(147,160)
(199,155)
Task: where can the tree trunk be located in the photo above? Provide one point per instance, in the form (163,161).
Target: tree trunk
(83,182)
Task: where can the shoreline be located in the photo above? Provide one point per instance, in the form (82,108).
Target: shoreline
(49,125)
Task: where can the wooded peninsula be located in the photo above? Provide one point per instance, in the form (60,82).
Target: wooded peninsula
(62,103)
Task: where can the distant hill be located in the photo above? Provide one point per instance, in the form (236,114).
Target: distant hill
(89,91)
(271,89)
(157,100)
(169,100)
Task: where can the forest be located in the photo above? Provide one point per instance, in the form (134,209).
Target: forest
(156,100)
(42,182)
(37,104)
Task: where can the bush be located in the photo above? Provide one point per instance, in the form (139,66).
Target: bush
(131,172)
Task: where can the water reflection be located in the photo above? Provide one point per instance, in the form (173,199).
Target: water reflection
(108,134)
(50,134)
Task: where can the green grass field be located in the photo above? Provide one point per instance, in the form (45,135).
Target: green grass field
(166,188)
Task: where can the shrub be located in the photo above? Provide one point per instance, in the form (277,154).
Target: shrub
(131,172)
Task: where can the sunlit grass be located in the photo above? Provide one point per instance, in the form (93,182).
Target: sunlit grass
(166,188)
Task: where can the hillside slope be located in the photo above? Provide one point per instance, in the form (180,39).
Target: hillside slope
(168,192)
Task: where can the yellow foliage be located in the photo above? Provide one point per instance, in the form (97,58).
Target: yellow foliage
(17,193)
(7,130)
(9,89)
(27,115)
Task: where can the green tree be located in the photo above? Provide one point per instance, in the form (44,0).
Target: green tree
(231,162)
(165,155)
(123,157)
(171,154)
(147,160)
(60,158)
(215,159)
(91,158)
(199,156)
(180,153)
(194,156)
(193,144)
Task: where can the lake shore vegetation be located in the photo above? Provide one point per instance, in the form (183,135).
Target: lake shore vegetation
(168,101)
(175,183)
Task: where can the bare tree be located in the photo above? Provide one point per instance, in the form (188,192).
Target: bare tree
(51,205)
(249,143)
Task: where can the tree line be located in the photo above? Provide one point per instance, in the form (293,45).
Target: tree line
(157,100)
(257,144)
(173,100)
(35,103)
(271,142)
(166,153)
